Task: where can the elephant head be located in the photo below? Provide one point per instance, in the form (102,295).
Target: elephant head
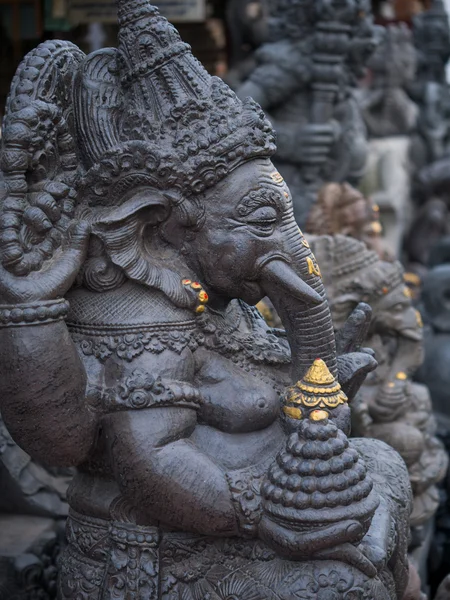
(178,184)
(240,239)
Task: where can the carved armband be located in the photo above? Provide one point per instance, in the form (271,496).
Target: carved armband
(34,313)
(245,488)
(141,390)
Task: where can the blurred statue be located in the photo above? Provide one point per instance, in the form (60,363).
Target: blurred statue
(444,590)
(390,116)
(340,208)
(389,405)
(430,89)
(431,144)
(387,108)
(247,31)
(304,80)
(143,219)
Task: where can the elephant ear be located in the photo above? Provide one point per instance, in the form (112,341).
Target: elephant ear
(130,236)
(38,159)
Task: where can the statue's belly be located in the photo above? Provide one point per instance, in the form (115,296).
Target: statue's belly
(239,450)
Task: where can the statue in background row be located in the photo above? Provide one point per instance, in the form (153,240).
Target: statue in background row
(386,106)
(390,406)
(342,209)
(430,147)
(142,221)
(391,118)
(430,89)
(304,80)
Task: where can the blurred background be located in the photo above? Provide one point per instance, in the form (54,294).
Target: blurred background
(221,32)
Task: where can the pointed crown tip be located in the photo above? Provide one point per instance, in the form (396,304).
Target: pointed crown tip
(319,373)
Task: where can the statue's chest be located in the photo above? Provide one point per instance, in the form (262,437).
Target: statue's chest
(238,398)
(231,372)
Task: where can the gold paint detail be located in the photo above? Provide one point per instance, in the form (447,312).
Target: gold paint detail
(376,228)
(306,243)
(391,385)
(412,279)
(376,208)
(401,376)
(203,297)
(317,389)
(407,293)
(277,178)
(313,268)
(293,413)
(419,319)
(319,415)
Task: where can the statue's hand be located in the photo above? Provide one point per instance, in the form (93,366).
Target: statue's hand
(308,144)
(299,545)
(313,143)
(354,361)
(54,279)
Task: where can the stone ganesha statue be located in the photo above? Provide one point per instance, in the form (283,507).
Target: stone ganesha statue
(142,219)
(390,405)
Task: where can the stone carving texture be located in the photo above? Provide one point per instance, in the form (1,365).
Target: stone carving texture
(304,79)
(188,419)
(389,406)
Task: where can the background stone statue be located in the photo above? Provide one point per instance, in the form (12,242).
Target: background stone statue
(142,220)
(391,118)
(342,209)
(387,109)
(430,89)
(247,31)
(389,406)
(304,80)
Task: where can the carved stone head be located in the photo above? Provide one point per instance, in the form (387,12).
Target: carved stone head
(170,169)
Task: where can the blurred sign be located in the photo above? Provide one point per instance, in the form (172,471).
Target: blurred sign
(104,11)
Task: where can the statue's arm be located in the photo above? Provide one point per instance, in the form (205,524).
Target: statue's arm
(165,475)
(42,393)
(42,380)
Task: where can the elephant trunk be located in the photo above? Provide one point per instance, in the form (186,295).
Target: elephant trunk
(297,292)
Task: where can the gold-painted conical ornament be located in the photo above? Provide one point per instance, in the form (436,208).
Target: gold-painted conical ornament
(317,389)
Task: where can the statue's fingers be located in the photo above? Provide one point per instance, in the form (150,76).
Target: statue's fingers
(355,330)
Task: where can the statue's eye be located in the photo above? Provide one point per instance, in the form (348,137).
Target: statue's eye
(400,307)
(264,217)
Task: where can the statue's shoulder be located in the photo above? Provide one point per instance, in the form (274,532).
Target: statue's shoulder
(129,322)
(125,309)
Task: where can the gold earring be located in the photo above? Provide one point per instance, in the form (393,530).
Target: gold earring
(202,296)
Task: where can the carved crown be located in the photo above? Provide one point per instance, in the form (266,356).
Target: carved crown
(84,133)
(153,96)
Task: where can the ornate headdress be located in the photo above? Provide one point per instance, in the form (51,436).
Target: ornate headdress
(352,273)
(145,114)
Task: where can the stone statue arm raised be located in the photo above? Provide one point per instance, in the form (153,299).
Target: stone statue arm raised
(273,84)
(40,371)
(274,81)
